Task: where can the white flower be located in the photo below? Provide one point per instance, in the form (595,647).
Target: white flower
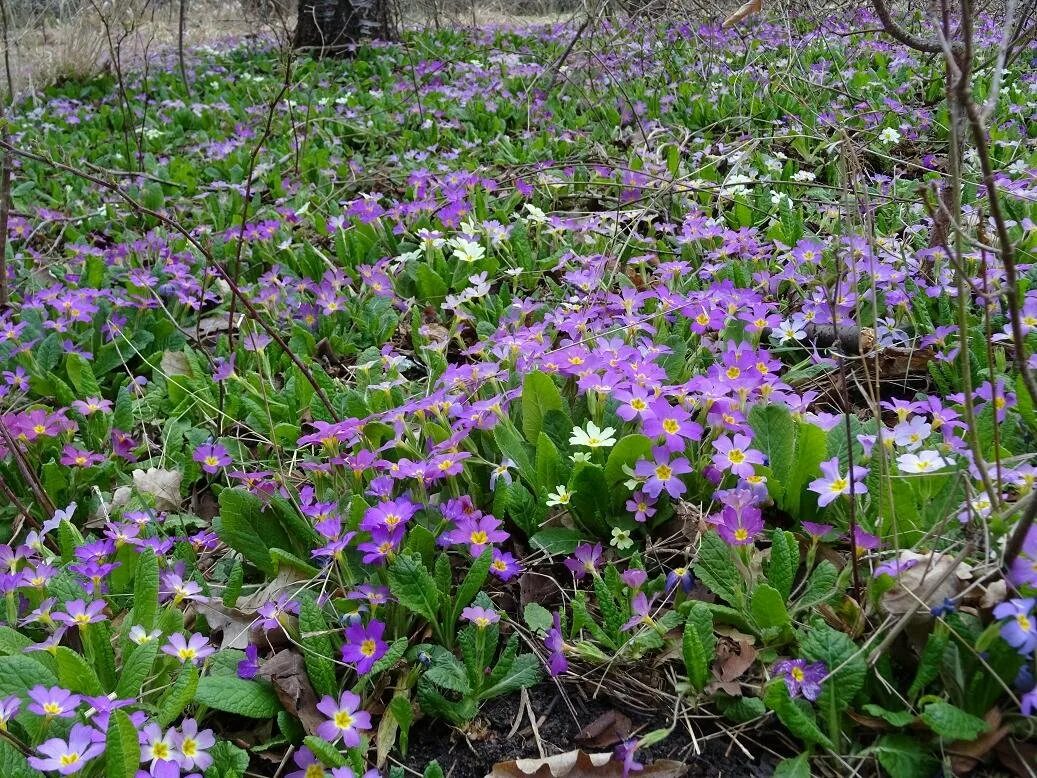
(559,496)
(911,434)
(922,462)
(535,215)
(621,539)
(581,456)
(890,135)
(593,437)
(140,636)
(466,251)
(791,330)
(803,175)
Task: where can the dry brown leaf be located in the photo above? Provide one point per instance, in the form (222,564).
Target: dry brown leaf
(733,659)
(235,624)
(915,582)
(577,764)
(743,13)
(174,363)
(609,728)
(1017,756)
(966,755)
(163,485)
(286,671)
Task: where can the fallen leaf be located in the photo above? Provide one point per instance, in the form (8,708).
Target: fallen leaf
(733,659)
(576,764)
(1017,756)
(609,728)
(994,593)
(925,571)
(286,671)
(237,622)
(743,13)
(174,363)
(966,755)
(163,485)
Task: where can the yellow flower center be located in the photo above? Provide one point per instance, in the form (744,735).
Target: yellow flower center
(839,484)
(368,648)
(797,674)
(638,404)
(736,455)
(67,760)
(343,720)
(671,426)
(160,751)
(741,534)
(1023,621)
(478,538)
(187,654)
(733,372)
(663,472)
(51,708)
(212,461)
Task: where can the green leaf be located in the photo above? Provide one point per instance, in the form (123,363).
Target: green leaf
(774,433)
(811,447)
(13,764)
(698,645)
(539,395)
(798,767)
(470,586)
(145,590)
(796,715)
(627,451)
(590,501)
(716,569)
(537,617)
(252,699)
(897,718)
(227,760)
(122,747)
(904,756)
(820,585)
(239,526)
(413,587)
(523,673)
(951,722)
(316,643)
(136,669)
(99,640)
(20,672)
(767,607)
(550,470)
(12,641)
(431,288)
(401,709)
(845,662)
(178,696)
(325,751)
(783,561)
(82,376)
(557,541)
(930,662)
(235,580)
(446,671)
(515,448)
(75,674)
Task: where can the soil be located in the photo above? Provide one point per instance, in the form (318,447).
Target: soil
(473,752)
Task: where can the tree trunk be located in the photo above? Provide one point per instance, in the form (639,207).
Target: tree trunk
(333,27)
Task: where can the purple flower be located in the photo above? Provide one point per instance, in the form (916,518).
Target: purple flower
(641,609)
(212,457)
(585,559)
(191,650)
(734,454)
(831,484)
(8,709)
(54,702)
(504,565)
(477,533)
(815,530)
(249,666)
(864,541)
(479,616)
(641,505)
(555,644)
(74,457)
(680,576)
(626,753)
(364,645)
(193,745)
(739,526)
(67,757)
(673,425)
(276,612)
(634,578)
(1020,629)
(662,474)
(344,719)
(158,746)
(802,677)
(1028,702)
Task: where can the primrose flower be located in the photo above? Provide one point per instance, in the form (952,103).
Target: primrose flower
(555,644)
(477,532)
(682,577)
(593,436)
(641,505)
(889,135)
(81,614)
(345,720)
(479,616)
(67,757)
(364,645)
(1020,629)
(248,667)
(640,610)
(560,496)
(1028,702)
(734,454)
(8,710)
(192,650)
(739,526)
(831,484)
(673,424)
(140,636)
(467,251)
(212,457)
(504,565)
(158,746)
(626,753)
(193,745)
(801,677)
(911,434)
(662,474)
(54,703)
(922,462)
(585,559)
(621,539)
(501,472)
